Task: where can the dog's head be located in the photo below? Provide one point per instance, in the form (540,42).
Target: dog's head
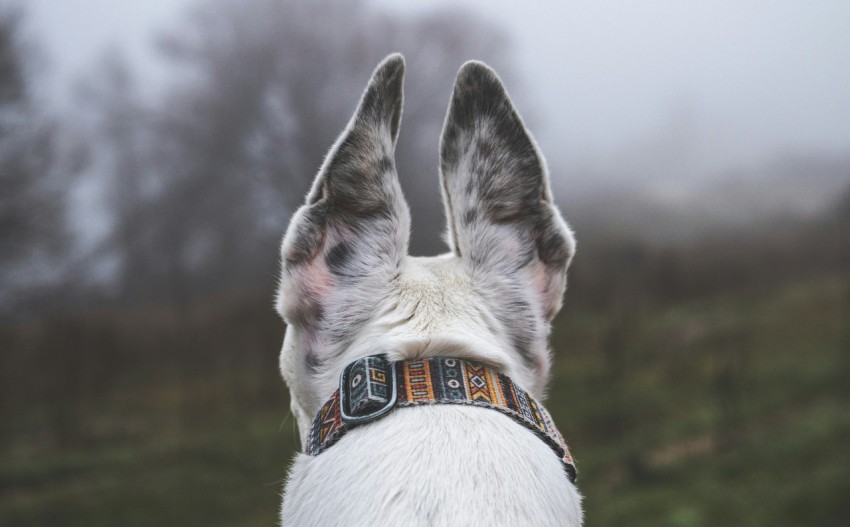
(348,287)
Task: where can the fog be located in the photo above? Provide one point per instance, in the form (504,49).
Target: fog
(743,81)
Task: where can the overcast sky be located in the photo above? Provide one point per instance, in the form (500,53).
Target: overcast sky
(744,79)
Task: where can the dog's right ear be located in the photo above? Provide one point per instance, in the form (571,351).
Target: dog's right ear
(501,217)
(351,235)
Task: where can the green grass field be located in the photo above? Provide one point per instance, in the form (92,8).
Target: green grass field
(725,410)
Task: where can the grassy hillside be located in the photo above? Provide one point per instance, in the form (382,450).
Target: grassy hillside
(726,409)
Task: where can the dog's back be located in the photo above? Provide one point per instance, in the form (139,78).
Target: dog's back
(349,290)
(436,465)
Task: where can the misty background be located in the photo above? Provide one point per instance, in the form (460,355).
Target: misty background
(152,153)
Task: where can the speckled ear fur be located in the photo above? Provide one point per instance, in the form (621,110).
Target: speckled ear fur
(501,217)
(345,244)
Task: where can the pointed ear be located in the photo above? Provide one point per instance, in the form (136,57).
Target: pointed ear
(500,214)
(353,230)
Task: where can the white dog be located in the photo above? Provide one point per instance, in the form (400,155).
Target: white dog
(349,290)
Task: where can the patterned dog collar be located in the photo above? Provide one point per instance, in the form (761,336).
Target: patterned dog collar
(372,386)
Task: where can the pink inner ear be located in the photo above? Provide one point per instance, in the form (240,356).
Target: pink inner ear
(316,279)
(539,279)
(310,284)
(547,287)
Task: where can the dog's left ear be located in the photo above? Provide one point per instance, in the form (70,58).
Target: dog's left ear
(501,218)
(344,246)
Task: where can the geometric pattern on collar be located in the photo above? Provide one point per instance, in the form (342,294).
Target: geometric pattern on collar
(372,386)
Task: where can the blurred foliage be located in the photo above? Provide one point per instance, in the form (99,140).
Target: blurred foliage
(31,204)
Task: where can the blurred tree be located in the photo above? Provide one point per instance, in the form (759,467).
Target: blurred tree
(201,181)
(31,205)
(121,157)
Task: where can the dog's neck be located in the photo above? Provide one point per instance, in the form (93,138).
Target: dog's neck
(372,387)
(432,311)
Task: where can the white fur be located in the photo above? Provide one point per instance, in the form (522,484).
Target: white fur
(440,465)
(433,466)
